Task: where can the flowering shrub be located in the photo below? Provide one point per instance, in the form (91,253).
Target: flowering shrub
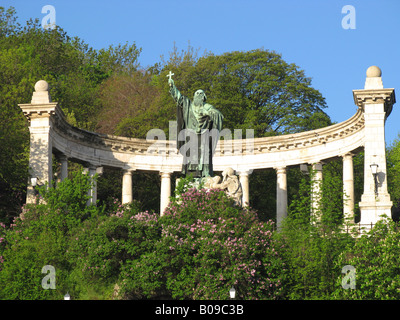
(207,245)
(104,243)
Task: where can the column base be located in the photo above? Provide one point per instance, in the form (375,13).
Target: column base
(373,209)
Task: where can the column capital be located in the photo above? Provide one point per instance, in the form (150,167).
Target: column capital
(62,157)
(317,165)
(280,170)
(33,111)
(128,171)
(165,174)
(373,96)
(245,172)
(91,165)
(90,168)
(347,155)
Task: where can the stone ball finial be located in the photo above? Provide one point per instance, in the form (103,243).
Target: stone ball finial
(41,86)
(374,71)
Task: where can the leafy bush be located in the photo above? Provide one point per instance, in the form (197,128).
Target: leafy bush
(310,245)
(103,244)
(40,237)
(200,248)
(207,246)
(376,259)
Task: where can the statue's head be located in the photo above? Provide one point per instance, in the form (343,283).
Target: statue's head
(228,172)
(199,97)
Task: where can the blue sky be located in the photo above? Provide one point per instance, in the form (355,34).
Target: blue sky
(308,33)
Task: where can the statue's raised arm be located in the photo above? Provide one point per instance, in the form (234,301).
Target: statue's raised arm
(173,90)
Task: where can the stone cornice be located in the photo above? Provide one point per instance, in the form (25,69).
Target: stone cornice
(39,110)
(224,148)
(374,96)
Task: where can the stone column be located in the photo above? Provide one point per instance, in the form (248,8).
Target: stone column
(316,189)
(64,167)
(244,181)
(376,103)
(127,187)
(39,112)
(281,196)
(92,193)
(348,188)
(165,191)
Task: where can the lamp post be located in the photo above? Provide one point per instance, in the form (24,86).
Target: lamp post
(374,169)
(304,169)
(232,293)
(34,183)
(67,297)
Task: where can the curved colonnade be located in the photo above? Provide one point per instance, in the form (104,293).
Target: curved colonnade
(51,134)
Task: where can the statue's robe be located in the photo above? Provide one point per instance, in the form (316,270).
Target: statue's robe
(203,126)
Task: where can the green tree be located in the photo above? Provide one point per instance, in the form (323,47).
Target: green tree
(131,105)
(393,171)
(256,90)
(74,71)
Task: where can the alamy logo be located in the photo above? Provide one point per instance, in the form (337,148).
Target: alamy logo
(349,280)
(194,143)
(49,281)
(49,20)
(349,20)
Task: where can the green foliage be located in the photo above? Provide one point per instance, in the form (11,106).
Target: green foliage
(183,185)
(393,170)
(130,105)
(102,245)
(70,197)
(204,244)
(75,73)
(376,259)
(200,248)
(41,236)
(310,245)
(207,246)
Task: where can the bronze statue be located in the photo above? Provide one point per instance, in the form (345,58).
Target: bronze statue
(199,124)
